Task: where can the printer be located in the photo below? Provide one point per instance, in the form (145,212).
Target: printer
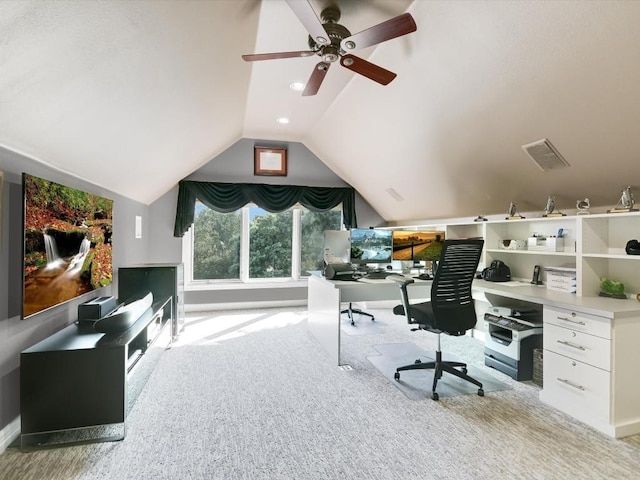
(511,336)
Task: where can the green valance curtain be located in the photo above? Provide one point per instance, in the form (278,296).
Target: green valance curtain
(229,197)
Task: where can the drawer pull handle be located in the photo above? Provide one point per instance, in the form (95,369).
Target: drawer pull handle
(569,344)
(566,319)
(564,380)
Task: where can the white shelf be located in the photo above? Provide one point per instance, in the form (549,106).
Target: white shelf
(531,252)
(619,256)
(598,241)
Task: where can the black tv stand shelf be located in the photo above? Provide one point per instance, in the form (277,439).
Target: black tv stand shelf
(77,386)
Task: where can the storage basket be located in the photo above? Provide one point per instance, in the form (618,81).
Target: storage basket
(537,366)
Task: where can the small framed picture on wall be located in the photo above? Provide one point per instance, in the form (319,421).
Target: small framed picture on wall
(270,161)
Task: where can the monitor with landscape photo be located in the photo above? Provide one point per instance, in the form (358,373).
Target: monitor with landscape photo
(371,245)
(416,246)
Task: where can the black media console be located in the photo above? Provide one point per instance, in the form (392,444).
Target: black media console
(78,386)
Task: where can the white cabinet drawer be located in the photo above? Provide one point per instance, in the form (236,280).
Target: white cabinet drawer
(577,388)
(580,346)
(580,322)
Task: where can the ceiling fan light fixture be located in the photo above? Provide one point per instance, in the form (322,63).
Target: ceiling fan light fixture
(330,54)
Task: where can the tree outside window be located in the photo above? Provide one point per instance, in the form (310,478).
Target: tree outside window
(216,244)
(272,248)
(270,241)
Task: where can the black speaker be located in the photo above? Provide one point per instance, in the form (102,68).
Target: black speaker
(96,308)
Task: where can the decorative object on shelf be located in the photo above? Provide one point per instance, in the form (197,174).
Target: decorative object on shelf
(550,208)
(625,204)
(583,206)
(611,289)
(270,161)
(632,247)
(512,245)
(512,213)
(480,218)
(549,243)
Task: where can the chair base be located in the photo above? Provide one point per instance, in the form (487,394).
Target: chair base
(441,366)
(350,311)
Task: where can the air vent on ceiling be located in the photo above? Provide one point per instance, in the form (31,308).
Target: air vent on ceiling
(545,155)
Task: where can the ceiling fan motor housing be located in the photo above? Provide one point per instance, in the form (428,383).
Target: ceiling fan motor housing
(335,31)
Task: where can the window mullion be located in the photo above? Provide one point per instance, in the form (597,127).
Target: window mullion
(296,244)
(187,254)
(244,245)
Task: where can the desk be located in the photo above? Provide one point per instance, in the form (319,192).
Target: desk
(594,381)
(325,297)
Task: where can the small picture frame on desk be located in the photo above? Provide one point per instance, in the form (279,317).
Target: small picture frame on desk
(270,161)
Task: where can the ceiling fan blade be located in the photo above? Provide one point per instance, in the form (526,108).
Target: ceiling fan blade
(368,69)
(316,78)
(395,27)
(271,56)
(308,17)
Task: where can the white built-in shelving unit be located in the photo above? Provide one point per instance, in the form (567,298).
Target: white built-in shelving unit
(594,244)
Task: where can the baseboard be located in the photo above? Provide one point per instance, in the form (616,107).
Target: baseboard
(207,307)
(9,433)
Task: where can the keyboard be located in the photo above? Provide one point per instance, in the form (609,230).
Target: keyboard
(376,275)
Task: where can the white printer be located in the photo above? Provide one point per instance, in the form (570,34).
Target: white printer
(511,336)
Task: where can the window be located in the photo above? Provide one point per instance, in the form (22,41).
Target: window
(216,244)
(252,244)
(270,242)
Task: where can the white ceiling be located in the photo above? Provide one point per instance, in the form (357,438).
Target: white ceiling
(115,92)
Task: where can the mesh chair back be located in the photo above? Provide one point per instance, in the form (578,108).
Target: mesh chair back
(453,307)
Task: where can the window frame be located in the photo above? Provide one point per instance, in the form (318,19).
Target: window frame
(244,280)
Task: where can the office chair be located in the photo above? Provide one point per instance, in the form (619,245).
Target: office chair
(451,309)
(350,311)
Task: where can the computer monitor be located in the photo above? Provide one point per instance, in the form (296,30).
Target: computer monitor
(371,245)
(415,246)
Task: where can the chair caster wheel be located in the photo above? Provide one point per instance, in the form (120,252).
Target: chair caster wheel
(353,324)
(434,396)
(464,370)
(397,376)
(418,361)
(480,392)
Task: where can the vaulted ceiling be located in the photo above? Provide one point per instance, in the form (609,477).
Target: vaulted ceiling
(115,92)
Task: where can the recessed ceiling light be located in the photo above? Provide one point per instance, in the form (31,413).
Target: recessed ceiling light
(282,120)
(297,86)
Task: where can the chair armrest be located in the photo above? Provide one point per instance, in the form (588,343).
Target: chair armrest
(401,280)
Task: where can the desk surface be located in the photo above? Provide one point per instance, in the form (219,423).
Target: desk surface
(603,307)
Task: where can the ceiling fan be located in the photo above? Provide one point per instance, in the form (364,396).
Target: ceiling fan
(331,41)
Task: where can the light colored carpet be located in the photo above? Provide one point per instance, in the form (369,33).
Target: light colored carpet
(250,395)
(363,325)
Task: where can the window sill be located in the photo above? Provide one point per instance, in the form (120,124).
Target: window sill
(254,285)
